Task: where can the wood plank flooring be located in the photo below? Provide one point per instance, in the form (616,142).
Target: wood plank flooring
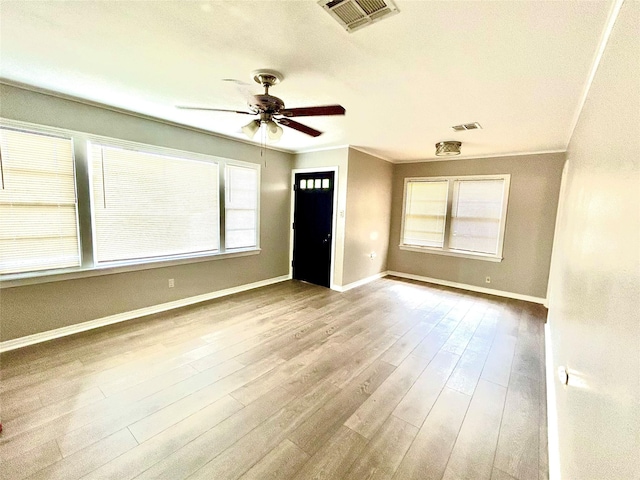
(394,380)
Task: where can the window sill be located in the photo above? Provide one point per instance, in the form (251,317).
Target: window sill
(453,253)
(33,278)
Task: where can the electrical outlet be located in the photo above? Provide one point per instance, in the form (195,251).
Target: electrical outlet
(172,283)
(487,279)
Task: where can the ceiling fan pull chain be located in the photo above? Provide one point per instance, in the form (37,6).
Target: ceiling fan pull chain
(263,149)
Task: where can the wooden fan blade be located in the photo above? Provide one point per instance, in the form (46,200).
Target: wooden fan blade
(298,126)
(213,109)
(313,111)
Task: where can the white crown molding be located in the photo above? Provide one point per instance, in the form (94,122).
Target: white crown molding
(91,103)
(51,93)
(340,147)
(140,312)
(604,39)
(478,157)
(377,155)
(320,149)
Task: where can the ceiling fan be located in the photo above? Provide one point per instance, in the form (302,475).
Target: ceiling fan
(271,110)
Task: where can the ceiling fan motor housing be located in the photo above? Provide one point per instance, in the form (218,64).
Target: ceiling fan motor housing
(268,104)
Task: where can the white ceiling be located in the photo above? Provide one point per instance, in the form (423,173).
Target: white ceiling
(519,68)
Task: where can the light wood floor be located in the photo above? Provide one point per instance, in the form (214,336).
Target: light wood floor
(393,380)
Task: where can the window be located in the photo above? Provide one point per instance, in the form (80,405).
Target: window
(241,207)
(462,216)
(476,214)
(425,213)
(39,228)
(148,206)
(72,202)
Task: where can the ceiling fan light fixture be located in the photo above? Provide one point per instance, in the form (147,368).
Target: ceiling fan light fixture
(251,128)
(448,148)
(274,131)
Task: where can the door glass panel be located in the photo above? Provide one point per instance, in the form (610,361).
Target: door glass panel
(303,184)
(318,183)
(325,183)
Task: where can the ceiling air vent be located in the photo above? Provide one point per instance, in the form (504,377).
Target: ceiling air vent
(356,14)
(466,126)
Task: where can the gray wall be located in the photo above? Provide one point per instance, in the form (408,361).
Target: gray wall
(368,216)
(531,213)
(29,309)
(594,285)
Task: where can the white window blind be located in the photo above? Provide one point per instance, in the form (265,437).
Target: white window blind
(148,206)
(241,207)
(38,217)
(476,215)
(425,213)
(459,216)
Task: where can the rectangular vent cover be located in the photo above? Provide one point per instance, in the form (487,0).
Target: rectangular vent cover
(466,126)
(356,14)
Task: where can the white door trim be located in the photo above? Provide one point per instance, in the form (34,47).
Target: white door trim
(334,219)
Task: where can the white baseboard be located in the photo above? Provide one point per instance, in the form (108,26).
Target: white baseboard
(472,288)
(553,441)
(359,283)
(140,312)
(163,307)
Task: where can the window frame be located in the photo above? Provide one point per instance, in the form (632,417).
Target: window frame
(84,201)
(446,250)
